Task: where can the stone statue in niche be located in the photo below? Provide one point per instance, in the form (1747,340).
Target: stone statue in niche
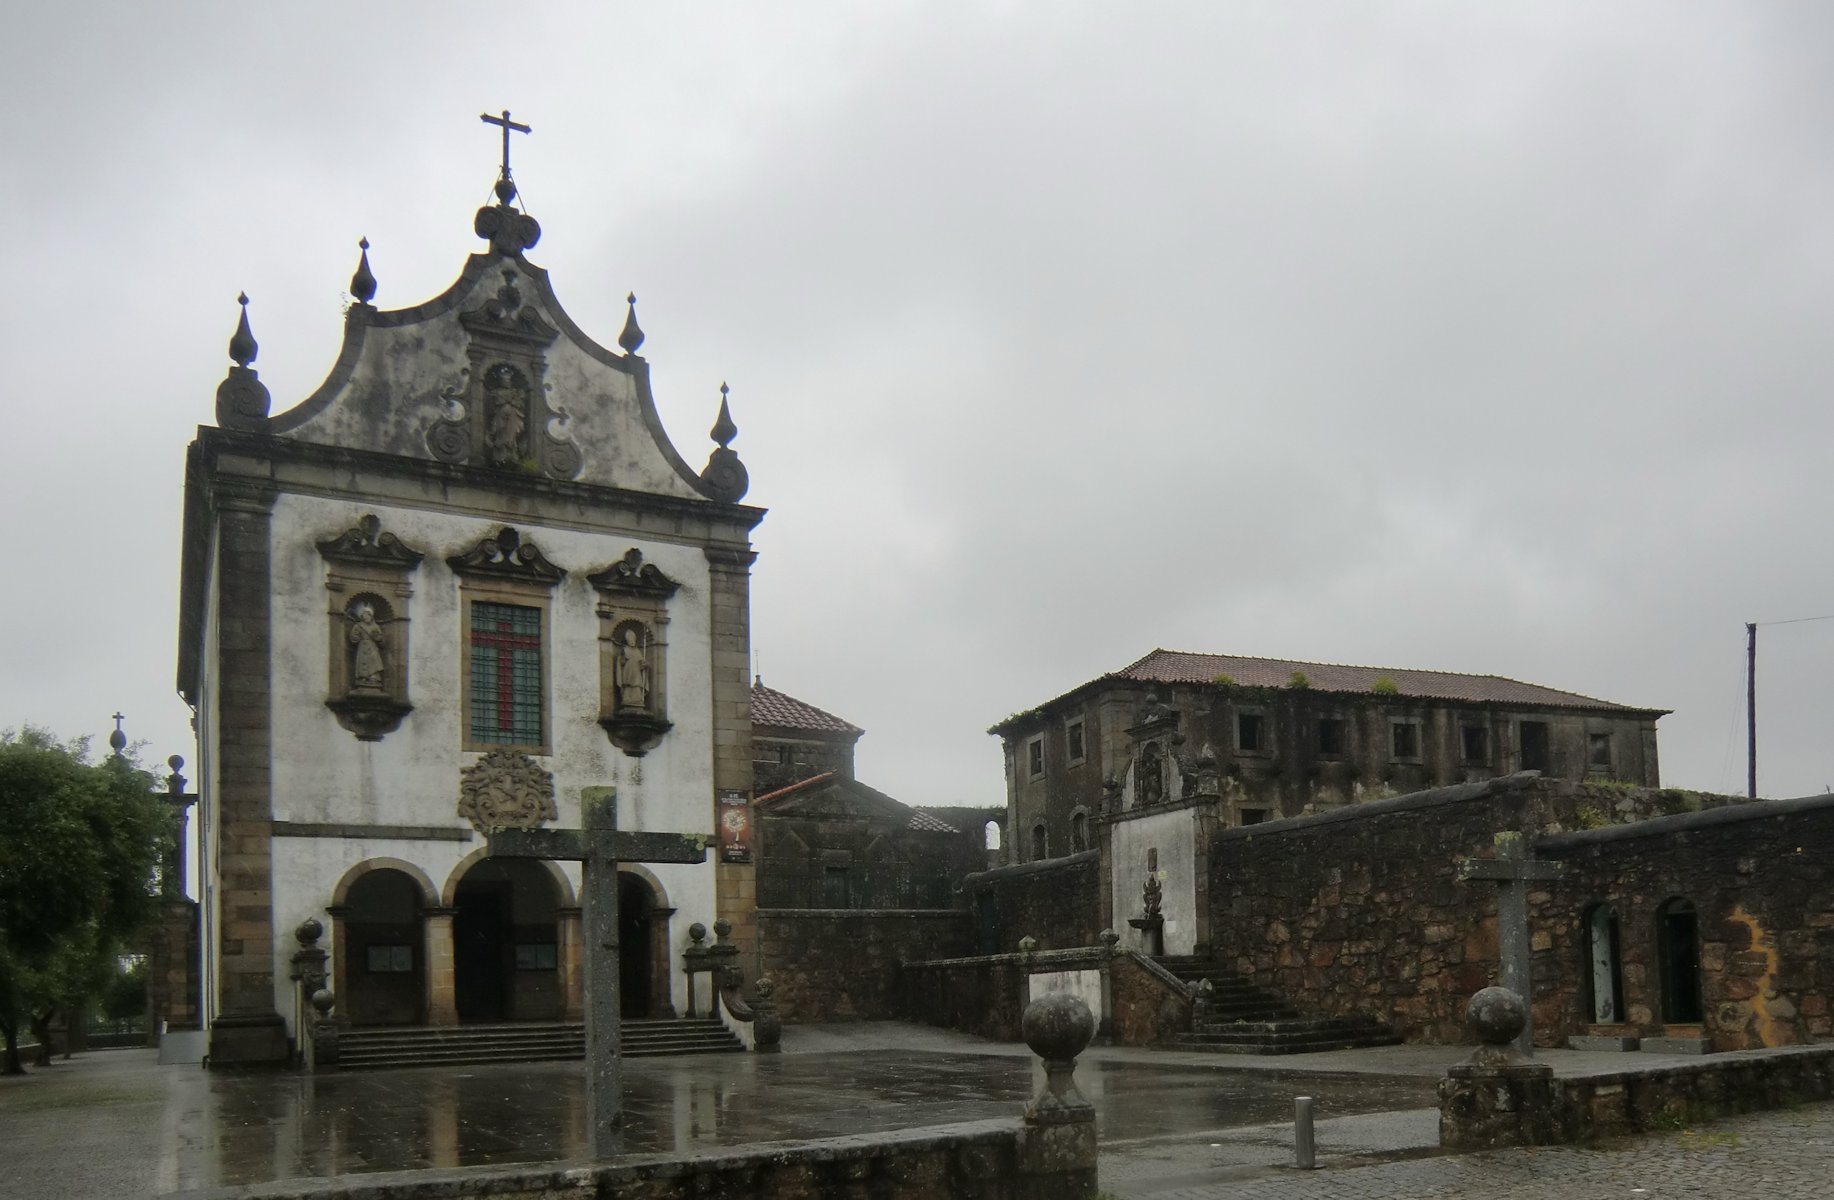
(368,660)
(506,406)
(632,670)
(1150,775)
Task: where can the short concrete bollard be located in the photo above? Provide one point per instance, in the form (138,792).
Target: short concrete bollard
(1305,1149)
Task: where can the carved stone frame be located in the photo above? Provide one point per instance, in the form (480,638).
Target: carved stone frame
(364,562)
(633,594)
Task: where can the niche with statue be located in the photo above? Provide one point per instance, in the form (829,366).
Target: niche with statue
(633,611)
(367,583)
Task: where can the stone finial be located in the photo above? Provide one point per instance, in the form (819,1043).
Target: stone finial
(1058,1027)
(631,337)
(117,741)
(1109,939)
(1028,944)
(242,344)
(724,430)
(309,931)
(242,399)
(764,989)
(175,782)
(722,929)
(363,283)
(1496,1016)
(697,933)
(324,1002)
(724,477)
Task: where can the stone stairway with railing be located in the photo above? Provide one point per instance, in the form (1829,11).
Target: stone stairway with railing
(462,1045)
(1244,1019)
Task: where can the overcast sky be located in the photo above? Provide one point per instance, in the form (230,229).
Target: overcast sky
(1477,337)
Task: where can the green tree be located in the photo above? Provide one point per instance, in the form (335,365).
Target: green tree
(76,872)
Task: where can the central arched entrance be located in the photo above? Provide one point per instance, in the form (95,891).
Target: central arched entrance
(506,943)
(384,966)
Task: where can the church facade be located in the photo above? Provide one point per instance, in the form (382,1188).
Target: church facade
(464,580)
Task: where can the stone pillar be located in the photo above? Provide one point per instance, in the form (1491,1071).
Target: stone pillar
(572,956)
(339,982)
(1499,1096)
(1057,1147)
(736,883)
(247,1029)
(442,997)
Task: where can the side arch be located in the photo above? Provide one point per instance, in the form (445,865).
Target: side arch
(429,896)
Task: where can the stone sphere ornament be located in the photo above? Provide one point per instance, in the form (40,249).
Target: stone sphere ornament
(1497,1016)
(309,931)
(323,1001)
(1057,1027)
(697,932)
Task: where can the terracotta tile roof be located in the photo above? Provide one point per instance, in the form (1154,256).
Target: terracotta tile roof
(1177,666)
(926,823)
(771,707)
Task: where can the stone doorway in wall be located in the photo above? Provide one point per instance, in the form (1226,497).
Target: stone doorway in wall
(643,962)
(506,943)
(384,952)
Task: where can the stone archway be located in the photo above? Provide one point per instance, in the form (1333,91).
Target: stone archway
(507,949)
(382,950)
(643,938)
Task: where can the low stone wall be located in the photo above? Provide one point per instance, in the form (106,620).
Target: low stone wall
(1056,901)
(986,995)
(840,964)
(1512,1109)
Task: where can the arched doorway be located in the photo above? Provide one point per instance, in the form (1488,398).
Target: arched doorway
(643,959)
(384,950)
(1678,956)
(1604,966)
(505,942)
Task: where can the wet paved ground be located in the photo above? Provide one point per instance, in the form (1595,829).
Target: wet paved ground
(117,1124)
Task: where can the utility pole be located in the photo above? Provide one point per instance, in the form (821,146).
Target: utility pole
(1751,710)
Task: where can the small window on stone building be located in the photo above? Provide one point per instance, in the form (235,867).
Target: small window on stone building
(1533,735)
(1251,733)
(1405,737)
(1331,737)
(1079,832)
(1039,846)
(837,887)
(1254,816)
(990,835)
(1474,743)
(1073,738)
(784,756)
(1034,756)
(1598,751)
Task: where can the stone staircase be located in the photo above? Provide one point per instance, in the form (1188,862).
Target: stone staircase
(464,1045)
(1245,1019)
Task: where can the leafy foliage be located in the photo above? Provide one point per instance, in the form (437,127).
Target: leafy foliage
(77,862)
(1385,687)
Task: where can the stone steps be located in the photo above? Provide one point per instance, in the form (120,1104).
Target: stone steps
(465,1045)
(1245,1019)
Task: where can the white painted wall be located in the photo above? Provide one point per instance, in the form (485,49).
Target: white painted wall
(1174,835)
(322,774)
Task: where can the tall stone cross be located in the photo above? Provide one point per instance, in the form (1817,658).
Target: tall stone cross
(599,848)
(1512,871)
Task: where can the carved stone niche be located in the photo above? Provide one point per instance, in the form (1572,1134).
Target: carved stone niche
(367,583)
(633,613)
(502,415)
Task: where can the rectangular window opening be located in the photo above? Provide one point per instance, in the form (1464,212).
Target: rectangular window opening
(1474,743)
(1331,738)
(1073,736)
(1251,733)
(1034,756)
(1598,751)
(1406,736)
(1254,816)
(1533,735)
(506,674)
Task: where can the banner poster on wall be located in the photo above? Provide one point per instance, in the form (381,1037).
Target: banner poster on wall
(735,827)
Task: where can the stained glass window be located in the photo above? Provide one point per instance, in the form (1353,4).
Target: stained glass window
(505,674)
